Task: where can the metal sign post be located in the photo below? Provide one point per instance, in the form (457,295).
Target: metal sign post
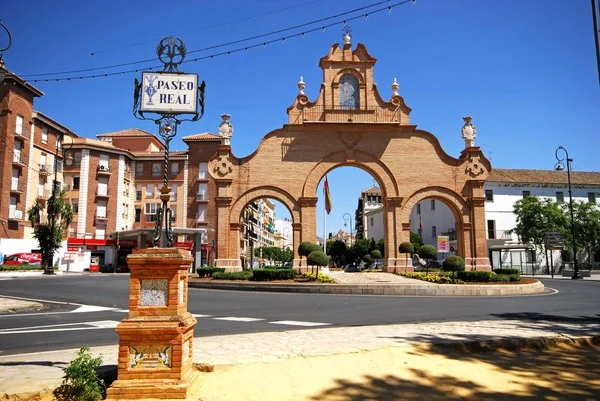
(169,93)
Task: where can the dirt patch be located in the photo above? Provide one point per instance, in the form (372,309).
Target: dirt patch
(10,305)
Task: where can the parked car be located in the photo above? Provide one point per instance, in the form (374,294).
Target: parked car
(23,259)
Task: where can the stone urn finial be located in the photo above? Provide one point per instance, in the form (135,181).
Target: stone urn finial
(395,88)
(225,129)
(301,86)
(469,132)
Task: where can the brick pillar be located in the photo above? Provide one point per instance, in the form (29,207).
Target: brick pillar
(227,250)
(156,339)
(479,258)
(308,230)
(393,232)
(297,228)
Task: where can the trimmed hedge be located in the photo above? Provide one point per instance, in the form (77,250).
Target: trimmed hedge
(475,276)
(20,267)
(276,267)
(508,271)
(243,275)
(209,271)
(432,278)
(273,274)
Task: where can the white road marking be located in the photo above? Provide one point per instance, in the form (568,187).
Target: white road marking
(296,323)
(102,324)
(121,310)
(238,319)
(91,308)
(198,315)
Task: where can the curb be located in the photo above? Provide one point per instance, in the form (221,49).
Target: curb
(379,289)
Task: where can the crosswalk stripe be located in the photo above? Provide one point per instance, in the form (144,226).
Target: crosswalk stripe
(297,323)
(238,319)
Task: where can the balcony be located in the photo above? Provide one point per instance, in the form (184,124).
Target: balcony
(17,187)
(22,135)
(15,214)
(45,169)
(19,160)
(202,175)
(342,114)
(74,164)
(102,193)
(101,217)
(103,170)
(127,174)
(139,173)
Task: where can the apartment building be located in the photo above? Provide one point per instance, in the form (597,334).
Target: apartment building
(258,230)
(432,218)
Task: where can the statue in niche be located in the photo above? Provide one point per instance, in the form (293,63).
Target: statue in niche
(348,92)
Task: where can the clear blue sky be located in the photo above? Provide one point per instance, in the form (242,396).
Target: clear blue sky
(524,69)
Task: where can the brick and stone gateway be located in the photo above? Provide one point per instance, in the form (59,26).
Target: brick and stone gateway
(350,124)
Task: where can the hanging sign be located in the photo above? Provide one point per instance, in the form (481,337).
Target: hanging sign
(443,243)
(169,93)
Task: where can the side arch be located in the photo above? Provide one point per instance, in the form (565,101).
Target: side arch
(457,205)
(264,192)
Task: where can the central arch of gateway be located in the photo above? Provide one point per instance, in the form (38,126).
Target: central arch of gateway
(350,124)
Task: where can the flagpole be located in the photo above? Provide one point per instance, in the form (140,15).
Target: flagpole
(324,230)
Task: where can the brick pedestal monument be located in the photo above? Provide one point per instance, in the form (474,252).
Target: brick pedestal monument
(156,340)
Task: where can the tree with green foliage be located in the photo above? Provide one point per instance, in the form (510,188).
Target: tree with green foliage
(359,249)
(373,245)
(535,217)
(429,253)
(416,240)
(587,227)
(307,247)
(368,260)
(406,248)
(49,239)
(381,247)
(453,264)
(317,258)
(375,254)
(337,251)
(81,382)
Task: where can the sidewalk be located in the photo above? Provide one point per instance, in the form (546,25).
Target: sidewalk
(40,372)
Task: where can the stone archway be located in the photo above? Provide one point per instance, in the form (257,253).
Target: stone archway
(240,204)
(374,135)
(458,207)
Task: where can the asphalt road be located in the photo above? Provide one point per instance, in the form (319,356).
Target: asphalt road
(66,324)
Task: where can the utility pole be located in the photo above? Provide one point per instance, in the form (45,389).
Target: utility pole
(596,34)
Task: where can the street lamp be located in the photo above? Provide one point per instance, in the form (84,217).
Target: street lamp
(2,72)
(560,166)
(345,224)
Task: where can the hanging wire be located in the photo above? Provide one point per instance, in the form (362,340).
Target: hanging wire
(227,52)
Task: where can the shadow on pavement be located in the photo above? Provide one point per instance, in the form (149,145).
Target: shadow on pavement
(569,373)
(35,363)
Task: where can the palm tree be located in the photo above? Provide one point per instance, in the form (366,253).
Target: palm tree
(49,238)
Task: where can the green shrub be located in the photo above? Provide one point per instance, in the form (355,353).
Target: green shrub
(81,382)
(427,269)
(242,275)
(321,278)
(20,267)
(371,270)
(453,264)
(275,267)
(368,260)
(499,278)
(317,258)
(427,252)
(273,274)
(376,254)
(508,271)
(514,277)
(474,276)
(209,271)
(432,278)
(406,247)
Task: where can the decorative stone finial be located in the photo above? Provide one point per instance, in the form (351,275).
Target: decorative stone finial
(395,88)
(347,34)
(225,129)
(469,132)
(301,86)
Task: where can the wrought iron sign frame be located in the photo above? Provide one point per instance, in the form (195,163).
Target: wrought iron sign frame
(171,52)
